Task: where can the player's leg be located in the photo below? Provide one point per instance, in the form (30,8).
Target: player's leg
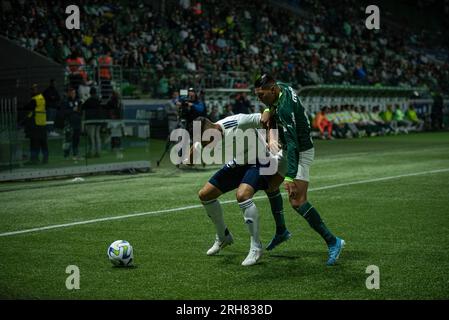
(301,205)
(251,216)
(98,139)
(277,210)
(329,130)
(250,184)
(67,141)
(244,197)
(321,127)
(209,198)
(224,180)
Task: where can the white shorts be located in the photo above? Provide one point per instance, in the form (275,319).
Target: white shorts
(304,163)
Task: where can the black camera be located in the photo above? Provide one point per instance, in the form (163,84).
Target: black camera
(185,112)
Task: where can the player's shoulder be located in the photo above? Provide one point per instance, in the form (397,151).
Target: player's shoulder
(282,85)
(246,118)
(234,117)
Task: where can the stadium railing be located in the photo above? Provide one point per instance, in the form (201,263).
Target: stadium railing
(141,82)
(9,153)
(92,76)
(316,97)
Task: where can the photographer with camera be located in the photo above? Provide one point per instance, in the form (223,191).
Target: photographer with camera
(190,107)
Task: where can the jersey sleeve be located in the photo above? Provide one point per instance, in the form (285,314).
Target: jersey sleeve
(247,121)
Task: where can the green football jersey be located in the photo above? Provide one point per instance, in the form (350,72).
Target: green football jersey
(294,127)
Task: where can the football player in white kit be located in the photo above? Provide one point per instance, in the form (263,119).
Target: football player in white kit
(247,179)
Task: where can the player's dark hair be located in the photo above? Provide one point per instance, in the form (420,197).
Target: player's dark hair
(264,81)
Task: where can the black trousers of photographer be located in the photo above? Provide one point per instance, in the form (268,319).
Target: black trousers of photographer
(38,143)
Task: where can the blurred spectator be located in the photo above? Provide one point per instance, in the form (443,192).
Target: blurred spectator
(71,108)
(227,111)
(76,67)
(375,116)
(399,116)
(163,86)
(93,116)
(117,131)
(387,116)
(241,104)
(413,118)
(360,72)
(371,128)
(322,123)
(437,112)
(114,106)
(105,63)
(374,121)
(35,128)
(198,107)
(52,100)
(336,117)
(214,115)
(350,122)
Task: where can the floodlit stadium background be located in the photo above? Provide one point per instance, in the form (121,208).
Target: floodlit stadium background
(384,190)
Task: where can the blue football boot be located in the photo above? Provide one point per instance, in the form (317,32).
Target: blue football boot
(334,251)
(278,239)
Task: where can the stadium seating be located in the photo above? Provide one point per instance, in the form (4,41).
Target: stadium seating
(227,43)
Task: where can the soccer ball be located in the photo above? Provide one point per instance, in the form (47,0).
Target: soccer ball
(120,253)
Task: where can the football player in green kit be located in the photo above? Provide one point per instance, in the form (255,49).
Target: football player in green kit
(294,131)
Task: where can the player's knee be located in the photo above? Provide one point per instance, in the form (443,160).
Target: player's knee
(298,201)
(243,195)
(204,195)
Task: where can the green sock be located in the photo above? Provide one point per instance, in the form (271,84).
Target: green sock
(277,210)
(313,218)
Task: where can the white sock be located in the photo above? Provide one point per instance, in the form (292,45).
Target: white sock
(251,216)
(215,213)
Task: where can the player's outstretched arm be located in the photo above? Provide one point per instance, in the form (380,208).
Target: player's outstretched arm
(273,138)
(265,118)
(189,160)
(292,147)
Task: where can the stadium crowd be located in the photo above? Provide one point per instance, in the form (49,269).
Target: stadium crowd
(192,40)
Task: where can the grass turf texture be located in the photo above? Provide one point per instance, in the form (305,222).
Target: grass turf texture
(400,225)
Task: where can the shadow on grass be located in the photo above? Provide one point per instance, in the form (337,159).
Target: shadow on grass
(125,267)
(291,268)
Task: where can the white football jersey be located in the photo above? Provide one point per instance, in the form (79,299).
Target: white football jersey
(239,121)
(231,127)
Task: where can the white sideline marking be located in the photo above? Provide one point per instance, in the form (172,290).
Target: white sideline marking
(151,213)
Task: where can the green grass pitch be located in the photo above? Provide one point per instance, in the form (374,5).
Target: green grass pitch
(399,224)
